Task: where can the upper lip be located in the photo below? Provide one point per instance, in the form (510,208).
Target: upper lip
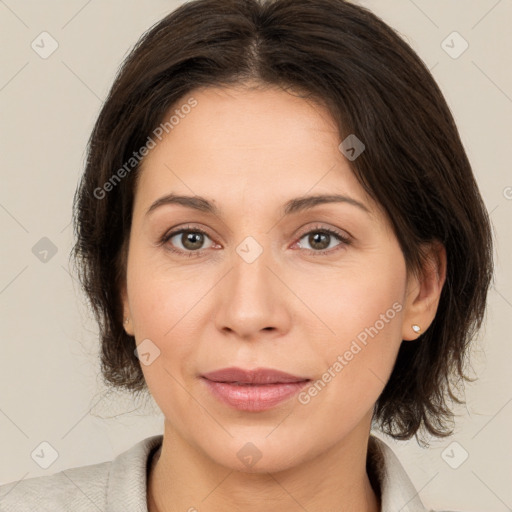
(256,376)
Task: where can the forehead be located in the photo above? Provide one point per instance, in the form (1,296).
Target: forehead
(261,144)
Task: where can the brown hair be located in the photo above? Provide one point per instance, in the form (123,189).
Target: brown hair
(376,87)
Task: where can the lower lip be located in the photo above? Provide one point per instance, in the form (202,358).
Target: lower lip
(254,397)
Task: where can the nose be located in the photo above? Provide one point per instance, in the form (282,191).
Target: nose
(253,301)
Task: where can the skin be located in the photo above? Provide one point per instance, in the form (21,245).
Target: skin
(249,151)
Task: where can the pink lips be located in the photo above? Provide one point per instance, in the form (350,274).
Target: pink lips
(253,390)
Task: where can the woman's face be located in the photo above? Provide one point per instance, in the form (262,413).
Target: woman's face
(314,289)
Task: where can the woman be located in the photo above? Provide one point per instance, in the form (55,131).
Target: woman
(282,240)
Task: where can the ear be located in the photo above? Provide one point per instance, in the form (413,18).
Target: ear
(122,284)
(127,325)
(424,291)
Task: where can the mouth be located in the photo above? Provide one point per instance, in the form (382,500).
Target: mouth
(253,390)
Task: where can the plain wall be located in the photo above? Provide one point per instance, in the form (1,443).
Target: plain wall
(50,389)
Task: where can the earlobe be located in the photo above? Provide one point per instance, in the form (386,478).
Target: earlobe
(424,291)
(127,324)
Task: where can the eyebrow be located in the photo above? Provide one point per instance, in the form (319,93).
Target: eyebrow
(292,206)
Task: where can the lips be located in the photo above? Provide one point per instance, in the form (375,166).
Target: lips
(253,390)
(247,377)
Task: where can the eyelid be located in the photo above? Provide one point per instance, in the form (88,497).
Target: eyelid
(344,238)
(172,232)
(345,235)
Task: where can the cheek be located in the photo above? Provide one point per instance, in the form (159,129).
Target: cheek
(349,303)
(362,315)
(165,306)
(356,364)
(165,311)
(161,296)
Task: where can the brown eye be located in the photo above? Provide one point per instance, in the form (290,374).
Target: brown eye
(187,241)
(192,240)
(323,241)
(319,240)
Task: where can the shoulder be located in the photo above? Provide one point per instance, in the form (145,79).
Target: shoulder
(80,488)
(121,481)
(396,489)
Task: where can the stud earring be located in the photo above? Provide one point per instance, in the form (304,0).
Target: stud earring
(416,328)
(126,321)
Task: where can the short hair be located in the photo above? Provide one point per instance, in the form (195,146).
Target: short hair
(374,86)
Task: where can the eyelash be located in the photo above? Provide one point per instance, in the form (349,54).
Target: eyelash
(199,253)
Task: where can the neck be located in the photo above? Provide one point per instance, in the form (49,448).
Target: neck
(182,478)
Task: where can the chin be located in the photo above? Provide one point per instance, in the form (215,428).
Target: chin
(256,454)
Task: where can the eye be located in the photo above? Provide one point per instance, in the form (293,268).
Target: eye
(187,241)
(190,241)
(322,240)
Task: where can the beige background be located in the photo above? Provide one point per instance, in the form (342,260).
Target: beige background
(49,385)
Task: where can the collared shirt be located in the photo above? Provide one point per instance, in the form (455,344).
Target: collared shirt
(120,485)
